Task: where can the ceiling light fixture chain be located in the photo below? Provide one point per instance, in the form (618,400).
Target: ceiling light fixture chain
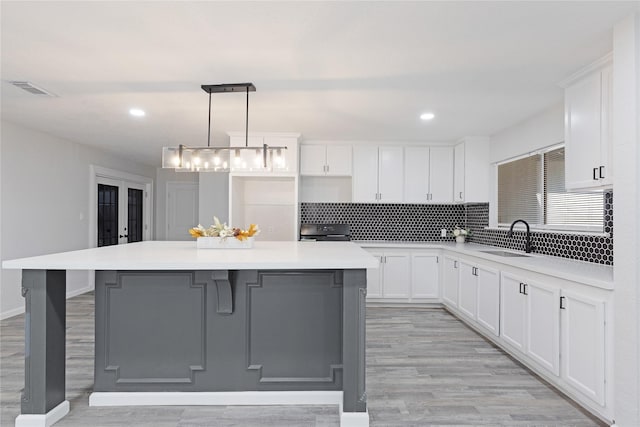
(210,158)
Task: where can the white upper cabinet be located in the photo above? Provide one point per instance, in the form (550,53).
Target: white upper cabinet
(588,109)
(458,176)
(428,175)
(325,160)
(377,174)
(416,175)
(472,170)
(283,161)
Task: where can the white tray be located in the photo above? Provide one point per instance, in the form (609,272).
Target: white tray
(226,243)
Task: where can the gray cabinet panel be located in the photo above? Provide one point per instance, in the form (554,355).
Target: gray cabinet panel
(165,331)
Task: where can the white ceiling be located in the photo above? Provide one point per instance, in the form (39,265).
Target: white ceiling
(330,70)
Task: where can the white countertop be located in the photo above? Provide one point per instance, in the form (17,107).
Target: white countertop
(589,273)
(163,255)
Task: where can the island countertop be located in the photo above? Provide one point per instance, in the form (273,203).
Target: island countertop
(167,255)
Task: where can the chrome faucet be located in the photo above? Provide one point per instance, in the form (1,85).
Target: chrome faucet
(528,247)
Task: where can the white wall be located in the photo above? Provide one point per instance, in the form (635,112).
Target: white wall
(163,176)
(44,204)
(542,130)
(626,245)
(214,198)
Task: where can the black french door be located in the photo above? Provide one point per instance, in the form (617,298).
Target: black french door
(119,220)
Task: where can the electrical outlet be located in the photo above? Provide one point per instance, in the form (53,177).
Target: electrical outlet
(443,232)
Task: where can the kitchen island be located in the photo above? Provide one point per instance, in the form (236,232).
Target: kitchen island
(280,323)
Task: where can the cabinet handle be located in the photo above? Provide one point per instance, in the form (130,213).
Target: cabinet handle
(524,286)
(380,194)
(520,291)
(455,264)
(327,168)
(461,195)
(600,172)
(562,306)
(594,174)
(437,260)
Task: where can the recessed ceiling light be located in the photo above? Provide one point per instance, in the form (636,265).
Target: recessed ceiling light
(427,116)
(137,112)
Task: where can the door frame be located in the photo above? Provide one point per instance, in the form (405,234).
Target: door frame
(98,173)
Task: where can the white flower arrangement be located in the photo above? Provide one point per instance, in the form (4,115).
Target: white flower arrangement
(464,232)
(222,230)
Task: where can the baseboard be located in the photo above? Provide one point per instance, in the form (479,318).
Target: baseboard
(20,310)
(216,398)
(43,420)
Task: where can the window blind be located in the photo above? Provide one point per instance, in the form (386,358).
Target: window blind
(520,190)
(568,209)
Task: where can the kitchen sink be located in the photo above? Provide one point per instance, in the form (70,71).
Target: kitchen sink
(505,253)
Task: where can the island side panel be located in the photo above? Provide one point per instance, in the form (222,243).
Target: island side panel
(354,340)
(219,330)
(45,321)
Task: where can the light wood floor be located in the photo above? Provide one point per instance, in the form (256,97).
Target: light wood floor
(424,368)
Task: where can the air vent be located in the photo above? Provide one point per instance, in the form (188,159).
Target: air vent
(31,88)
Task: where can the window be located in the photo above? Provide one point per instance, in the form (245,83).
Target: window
(532,188)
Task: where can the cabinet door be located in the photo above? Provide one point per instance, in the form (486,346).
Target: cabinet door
(441,175)
(390,174)
(512,311)
(583,342)
(312,160)
(543,325)
(606,128)
(424,275)
(395,283)
(458,173)
(339,160)
(365,174)
(467,299)
(416,175)
(374,277)
(583,104)
(450,283)
(489,299)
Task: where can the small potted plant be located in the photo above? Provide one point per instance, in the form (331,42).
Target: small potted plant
(460,234)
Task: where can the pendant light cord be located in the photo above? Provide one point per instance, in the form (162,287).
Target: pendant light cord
(209,129)
(246,122)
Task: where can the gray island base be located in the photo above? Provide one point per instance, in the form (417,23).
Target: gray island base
(263,336)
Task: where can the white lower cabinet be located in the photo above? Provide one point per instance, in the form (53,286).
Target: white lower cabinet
(374,277)
(450,282)
(425,275)
(395,275)
(530,320)
(479,296)
(467,297)
(488,306)
(404,275)
(583,344)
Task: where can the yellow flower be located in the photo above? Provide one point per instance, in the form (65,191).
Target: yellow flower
(195,232)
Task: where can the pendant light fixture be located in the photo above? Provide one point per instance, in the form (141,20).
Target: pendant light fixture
(218,159)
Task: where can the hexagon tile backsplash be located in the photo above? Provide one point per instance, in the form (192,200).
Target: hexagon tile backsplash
(416,223)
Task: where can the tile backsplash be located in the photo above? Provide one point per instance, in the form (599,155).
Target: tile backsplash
(419,222)
(397,222)
(597,249)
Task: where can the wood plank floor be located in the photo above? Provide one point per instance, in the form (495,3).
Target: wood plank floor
(424,368)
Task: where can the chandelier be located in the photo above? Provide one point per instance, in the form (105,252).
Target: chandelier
(185,158)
